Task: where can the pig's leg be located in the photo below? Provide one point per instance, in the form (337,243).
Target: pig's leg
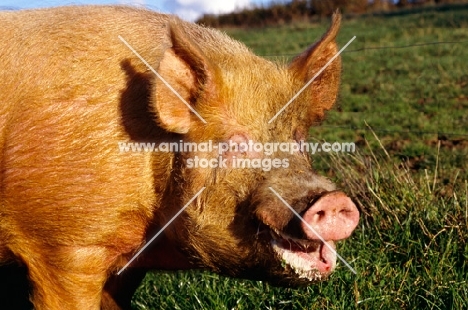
(14,288)
(119,289)
(67,277)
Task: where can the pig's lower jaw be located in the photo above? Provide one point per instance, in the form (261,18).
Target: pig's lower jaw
(311,260)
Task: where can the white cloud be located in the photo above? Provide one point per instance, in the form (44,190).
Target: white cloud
(193,9)
(133,2)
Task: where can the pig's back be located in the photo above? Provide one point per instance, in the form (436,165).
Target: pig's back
(71,91)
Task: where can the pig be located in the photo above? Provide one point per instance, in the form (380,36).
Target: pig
(75,209)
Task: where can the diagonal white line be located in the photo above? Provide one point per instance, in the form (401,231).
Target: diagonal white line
(160,231)
(162,79)
(311,80)
(314,231)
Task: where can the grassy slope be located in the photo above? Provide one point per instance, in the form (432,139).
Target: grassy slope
(411,249)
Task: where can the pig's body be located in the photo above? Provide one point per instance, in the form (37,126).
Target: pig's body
(69,199)
(74,209)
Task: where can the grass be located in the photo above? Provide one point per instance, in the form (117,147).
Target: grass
(407,111)
(410,251)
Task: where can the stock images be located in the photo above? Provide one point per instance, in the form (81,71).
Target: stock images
(240,154)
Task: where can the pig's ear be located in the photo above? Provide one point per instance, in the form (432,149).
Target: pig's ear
(324,88)
(189,73)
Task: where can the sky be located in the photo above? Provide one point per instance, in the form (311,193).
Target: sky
(186,9)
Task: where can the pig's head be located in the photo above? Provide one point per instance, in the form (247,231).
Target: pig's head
(238,226)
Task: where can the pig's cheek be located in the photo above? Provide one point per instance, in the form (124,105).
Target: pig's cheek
(195,170)
(230,156)
(231,159)
(239,145)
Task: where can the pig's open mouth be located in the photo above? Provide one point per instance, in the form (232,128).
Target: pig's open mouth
(307,247)
(310,259)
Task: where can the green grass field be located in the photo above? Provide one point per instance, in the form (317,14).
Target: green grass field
(405,105)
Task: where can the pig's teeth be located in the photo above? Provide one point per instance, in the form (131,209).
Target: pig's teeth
(303,256)
(304,245)
(301,264)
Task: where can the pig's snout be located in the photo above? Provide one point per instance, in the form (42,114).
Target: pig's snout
(333,216)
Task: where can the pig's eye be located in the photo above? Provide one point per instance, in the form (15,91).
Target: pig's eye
(237,145)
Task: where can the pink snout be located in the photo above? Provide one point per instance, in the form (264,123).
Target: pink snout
(334,217)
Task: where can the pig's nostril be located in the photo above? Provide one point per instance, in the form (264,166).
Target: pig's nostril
(333,217)
(319,216)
